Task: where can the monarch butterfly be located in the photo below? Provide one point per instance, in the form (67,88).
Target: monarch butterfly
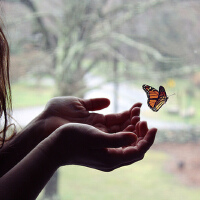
(156,99)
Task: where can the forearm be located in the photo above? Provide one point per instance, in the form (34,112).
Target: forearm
(29,176)
(16,149)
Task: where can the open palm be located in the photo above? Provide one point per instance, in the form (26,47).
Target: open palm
(62,110)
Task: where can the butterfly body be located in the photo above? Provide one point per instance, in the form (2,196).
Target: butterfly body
(156,99)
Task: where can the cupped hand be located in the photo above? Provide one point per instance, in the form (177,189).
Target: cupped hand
(81,144)
(63,110)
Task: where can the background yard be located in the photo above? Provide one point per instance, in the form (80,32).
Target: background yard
(111,48)
(147,179)
(158,175)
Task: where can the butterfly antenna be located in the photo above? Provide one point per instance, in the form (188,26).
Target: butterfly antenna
(171,95)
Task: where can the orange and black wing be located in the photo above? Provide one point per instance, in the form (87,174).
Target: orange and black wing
(162,99)
(152,96)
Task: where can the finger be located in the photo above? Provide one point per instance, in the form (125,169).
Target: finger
(137,130)
(121,118)
(135,111)
(95,104)
(117,119)
(129,128)
(135,120)
(132,154)
(143,129)
(116,157)
(150,136)
(146,143)
(136,105)
(116,140)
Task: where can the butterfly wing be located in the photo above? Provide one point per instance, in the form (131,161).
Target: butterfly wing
(162,99)
(152,96)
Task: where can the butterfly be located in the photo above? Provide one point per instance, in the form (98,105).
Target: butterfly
(156,99)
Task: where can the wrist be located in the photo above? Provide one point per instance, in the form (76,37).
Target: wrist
(48,148)
(58,145)
(51,122)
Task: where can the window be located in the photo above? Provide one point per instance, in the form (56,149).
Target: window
(110,49)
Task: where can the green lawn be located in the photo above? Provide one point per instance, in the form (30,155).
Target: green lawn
(24,95)
(145,180)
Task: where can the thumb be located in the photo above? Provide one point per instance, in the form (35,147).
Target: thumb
(96,104)
(115,140)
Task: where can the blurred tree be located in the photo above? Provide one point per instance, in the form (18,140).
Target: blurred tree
(78,34)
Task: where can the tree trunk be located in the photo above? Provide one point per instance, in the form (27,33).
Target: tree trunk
(116,84)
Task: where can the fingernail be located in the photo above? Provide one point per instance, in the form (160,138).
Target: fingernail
(155,129)
(140,105)
(136,108)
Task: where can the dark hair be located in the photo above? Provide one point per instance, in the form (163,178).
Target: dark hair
(5,91)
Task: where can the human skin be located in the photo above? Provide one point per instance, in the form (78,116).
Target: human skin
(67,133)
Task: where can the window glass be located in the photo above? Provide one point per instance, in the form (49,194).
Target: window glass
(108,48)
